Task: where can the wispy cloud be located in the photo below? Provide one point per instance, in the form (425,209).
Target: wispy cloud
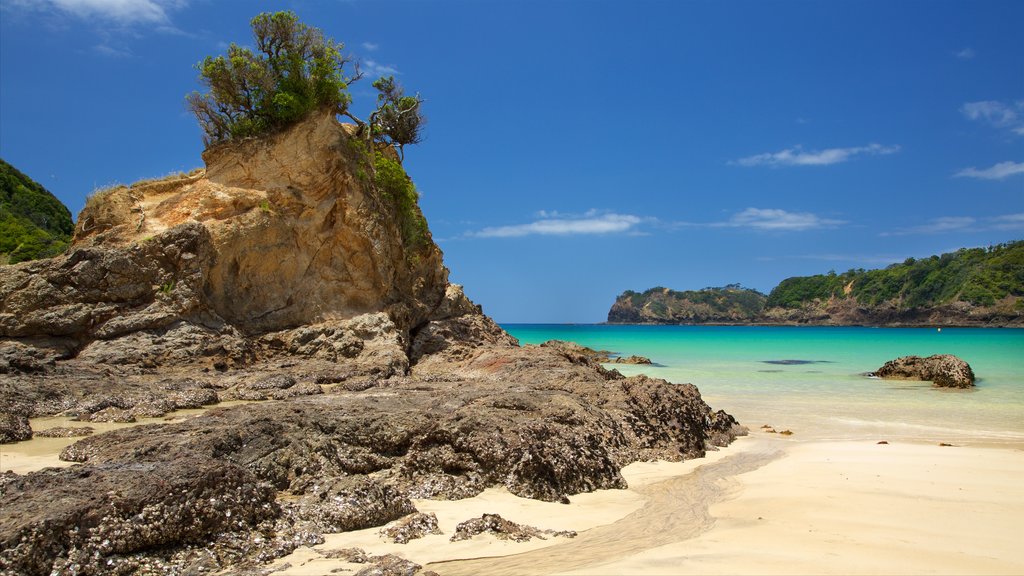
(996,172)
(118,11)
(112,52)
(797,156)
(555,224)
(997,114)
(965,54)
(845,258)
(1009,222)
(776,219)
(375,69)
(963,224)
(370,46)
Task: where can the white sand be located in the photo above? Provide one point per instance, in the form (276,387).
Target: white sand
(766,505)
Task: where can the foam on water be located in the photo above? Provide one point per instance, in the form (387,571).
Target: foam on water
(812,380)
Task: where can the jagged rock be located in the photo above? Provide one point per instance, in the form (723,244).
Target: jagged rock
(633,359)
(383,565)
(944,370)
(455,329)
(112,414)
(575,352)
(503,529)
(14,428)
(74,519)
(411,527)
(65,432)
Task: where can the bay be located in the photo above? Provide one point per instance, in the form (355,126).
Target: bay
(812,380)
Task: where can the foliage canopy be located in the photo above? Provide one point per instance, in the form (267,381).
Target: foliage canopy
(980,276)
(33,222)
(294,71)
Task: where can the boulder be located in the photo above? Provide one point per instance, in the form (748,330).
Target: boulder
(14,428)
(944,370)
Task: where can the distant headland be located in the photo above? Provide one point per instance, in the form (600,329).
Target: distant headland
(969,287)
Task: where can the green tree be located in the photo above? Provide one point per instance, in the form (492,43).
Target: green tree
(294,71)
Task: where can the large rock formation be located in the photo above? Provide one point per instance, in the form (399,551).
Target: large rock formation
(944,370)
(278,275)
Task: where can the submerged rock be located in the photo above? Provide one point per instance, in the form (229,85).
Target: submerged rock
(944,370)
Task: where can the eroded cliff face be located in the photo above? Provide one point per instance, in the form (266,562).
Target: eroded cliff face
(297,232)
(275,234)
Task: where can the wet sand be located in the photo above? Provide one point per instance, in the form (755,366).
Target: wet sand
(766,505)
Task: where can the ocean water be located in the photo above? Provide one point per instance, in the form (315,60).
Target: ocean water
(826,395)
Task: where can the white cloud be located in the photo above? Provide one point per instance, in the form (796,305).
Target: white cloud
(796,156)
(120,11)
(107,50)
(1009,222)
(374,69)
(777,220)
(997,114)
(370,46)
(996,172)
(589,223)
(966,54)
(964,224)
(844,258)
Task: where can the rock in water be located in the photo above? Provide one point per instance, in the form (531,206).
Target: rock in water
(944,370)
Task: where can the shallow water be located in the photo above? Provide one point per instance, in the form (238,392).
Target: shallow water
(811,379)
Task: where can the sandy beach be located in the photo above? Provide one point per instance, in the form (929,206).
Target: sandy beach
(766,505)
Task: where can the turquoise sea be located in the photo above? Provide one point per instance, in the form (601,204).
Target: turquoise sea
(825,394)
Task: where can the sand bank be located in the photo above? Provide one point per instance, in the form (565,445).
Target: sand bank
(766,505)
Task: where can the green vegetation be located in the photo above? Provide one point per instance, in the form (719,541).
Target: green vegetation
(732,303)
(980,276)
(396,187)
(33,223)
(294,71)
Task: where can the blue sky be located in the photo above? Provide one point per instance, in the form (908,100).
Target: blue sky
(576,149)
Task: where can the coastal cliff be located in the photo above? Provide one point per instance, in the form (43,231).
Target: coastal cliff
(289,276)
(970,287)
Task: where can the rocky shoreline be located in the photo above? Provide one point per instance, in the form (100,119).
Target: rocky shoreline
(369,380)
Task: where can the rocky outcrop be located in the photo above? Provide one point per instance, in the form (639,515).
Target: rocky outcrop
(631,359)
(14,428)
(411,527)
(503,529)
(278,277)
(275,234)
(944,370)
(576,352)
(731,304)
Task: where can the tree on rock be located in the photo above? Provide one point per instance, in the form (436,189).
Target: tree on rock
(294,71)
